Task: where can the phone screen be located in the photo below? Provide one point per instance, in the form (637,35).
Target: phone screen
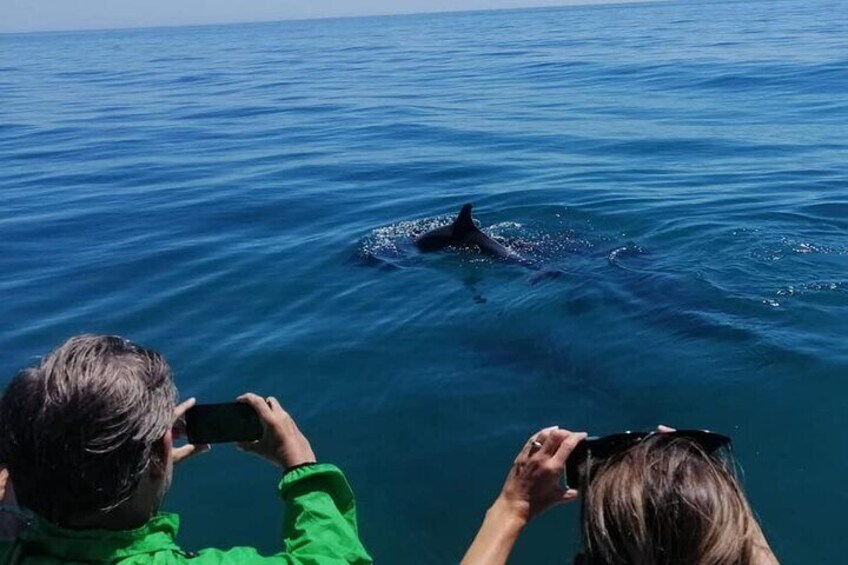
(221,423)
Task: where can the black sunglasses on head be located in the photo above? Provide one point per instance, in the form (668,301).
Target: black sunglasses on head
(600,448)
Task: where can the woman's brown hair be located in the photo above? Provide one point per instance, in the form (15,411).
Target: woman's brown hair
(665,501)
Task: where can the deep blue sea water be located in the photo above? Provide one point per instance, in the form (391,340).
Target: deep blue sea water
(242,198)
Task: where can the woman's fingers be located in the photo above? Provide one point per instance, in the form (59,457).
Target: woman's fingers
(567,446)
(534,443)
(552,442)
(569,495)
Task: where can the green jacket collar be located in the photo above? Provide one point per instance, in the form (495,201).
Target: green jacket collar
(44,538)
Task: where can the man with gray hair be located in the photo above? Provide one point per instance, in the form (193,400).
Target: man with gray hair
(87,438)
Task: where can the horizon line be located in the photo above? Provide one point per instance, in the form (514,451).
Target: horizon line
(578,4)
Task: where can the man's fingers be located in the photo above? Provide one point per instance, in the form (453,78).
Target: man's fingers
(189,450)
(180,453)
(567,446)
(179,416)
(249,446)
(183,407)
(259,404)
(274,404)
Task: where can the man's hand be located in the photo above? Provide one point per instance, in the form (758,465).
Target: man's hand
(179,454)
(282,442)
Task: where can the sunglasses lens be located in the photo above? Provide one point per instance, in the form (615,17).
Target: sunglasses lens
(598,449)
(709,441)
(610,445)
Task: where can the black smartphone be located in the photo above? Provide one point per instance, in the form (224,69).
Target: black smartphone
(221,423)
(575,465)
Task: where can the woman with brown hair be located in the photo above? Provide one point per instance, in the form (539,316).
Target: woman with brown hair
(661,498)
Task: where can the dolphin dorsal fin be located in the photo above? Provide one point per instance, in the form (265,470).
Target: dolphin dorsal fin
(464,223)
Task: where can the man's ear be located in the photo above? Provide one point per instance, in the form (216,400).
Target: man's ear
(160,453)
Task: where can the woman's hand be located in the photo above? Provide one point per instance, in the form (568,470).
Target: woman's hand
(282,442)
(533,484)
(179,454)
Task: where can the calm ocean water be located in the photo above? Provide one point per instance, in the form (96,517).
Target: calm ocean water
(242,198)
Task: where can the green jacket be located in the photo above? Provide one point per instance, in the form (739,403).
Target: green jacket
(319,529)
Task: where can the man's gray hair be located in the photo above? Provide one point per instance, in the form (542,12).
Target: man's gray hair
(78,430)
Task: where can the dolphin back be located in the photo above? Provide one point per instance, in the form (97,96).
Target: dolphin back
(436,239)
(463,233)
(454,234)
(491,247)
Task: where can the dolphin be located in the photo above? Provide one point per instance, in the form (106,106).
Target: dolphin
(463,233)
